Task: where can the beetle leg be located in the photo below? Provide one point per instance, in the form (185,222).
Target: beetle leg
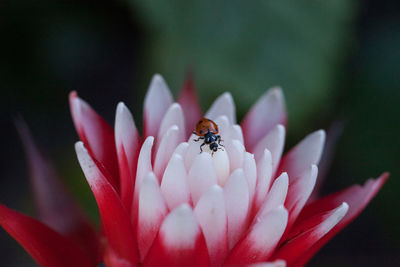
(219,140)
(201,149)
(198,139)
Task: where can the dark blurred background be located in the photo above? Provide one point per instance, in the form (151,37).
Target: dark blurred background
(338,62)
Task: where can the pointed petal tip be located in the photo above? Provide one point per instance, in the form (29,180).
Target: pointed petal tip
(79,146)
(149,140)
(344,207)
(73,94)
(121,107)
(321,134)
(383,177)
(276,92)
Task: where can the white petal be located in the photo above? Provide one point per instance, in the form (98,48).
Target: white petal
(235,152)
(304,154)
(174,185)
(223,105)
(237,133)
(181,149)
(267,232)
(299,191)
(261,240)
(220,158)
(156,103)
(263,116)
(168,143)
(192,151)
(180,229)
(126,133)
(274,141)
(220,161)
(174,116)
(276,196)
(127,144)
(237,205)
(143,168)
(211,215)
(332,220)
(224,127)
(250,172)
(264,172)
(152,210)
(202,176)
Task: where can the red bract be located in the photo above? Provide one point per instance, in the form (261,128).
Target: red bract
(163,203)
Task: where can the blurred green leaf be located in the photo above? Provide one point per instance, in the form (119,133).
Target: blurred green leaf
(248,46)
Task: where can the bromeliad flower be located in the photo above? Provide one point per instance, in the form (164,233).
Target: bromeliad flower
(222,195)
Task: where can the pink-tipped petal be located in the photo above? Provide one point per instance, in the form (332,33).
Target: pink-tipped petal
(237,205)
(127,143)
(274,141)
(166,147)
(46,246)
(266,113)
(152,210)
(211,215)
(173,116)
(276,196)
(189,102)
(264,177)
(143,168)
(304,154)
(250,172)
(174,185)
(299,191)
(201,176)
(56,208)
(357,197)
(157,101)
(307,233)
(97,135)
(114,218)
(179,242)
(259,243)
(223,106)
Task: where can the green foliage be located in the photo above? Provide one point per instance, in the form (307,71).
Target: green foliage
(248,46)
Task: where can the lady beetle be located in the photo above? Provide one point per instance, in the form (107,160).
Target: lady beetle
(207,130)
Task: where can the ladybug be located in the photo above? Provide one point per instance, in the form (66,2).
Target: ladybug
(207,130)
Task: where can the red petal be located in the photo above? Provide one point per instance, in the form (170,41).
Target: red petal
(356,196)
(265,114)
(189,102)
(97,135)
(179,243)
(46,246)
(56,207)
(114,218)
(305,234)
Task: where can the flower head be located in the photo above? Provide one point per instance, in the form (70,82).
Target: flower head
(166,199)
